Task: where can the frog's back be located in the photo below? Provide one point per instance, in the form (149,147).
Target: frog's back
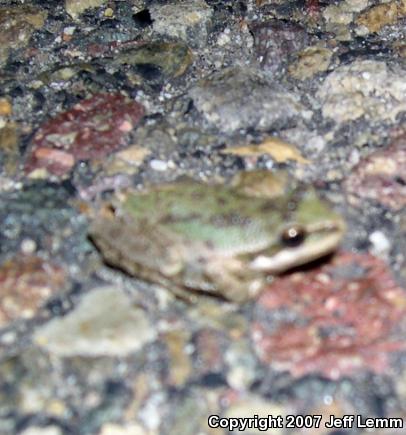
(215,215)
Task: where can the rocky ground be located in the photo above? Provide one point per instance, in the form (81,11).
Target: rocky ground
(97,96)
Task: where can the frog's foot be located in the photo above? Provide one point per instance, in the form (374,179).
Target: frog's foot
(188,296)
(198,296)
(193,296)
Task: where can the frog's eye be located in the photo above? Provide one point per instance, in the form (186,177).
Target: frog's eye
(293,236)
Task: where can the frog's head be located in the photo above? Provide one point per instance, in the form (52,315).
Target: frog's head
(311,230)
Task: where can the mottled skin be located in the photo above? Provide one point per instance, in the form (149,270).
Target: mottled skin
(191,237)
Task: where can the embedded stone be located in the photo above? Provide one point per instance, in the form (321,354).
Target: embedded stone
(187,20)
(92,129)
(323,332)
(363,88)
(238,98)
(105,322)
(26,282)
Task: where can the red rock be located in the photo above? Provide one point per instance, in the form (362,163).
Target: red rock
(57,162)
(312,7)
(26,282)
(92,129)
(209,351)
(381,176)
(346,318)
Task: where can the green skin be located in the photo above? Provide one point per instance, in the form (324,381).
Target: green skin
(191,237)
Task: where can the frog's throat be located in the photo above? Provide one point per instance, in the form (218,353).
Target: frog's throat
(305,253)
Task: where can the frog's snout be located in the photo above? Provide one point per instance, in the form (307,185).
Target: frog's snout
(302,244)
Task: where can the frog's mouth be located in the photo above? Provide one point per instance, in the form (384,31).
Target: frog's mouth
(321,239)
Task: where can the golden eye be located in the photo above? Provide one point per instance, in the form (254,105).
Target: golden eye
(293,236)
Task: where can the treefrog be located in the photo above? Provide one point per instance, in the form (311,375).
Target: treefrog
(192,237)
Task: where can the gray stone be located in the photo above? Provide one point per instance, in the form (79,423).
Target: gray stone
(188,20)
(275,41)
(239,98)
(105,322)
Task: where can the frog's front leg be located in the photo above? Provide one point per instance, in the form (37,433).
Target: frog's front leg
(222,277)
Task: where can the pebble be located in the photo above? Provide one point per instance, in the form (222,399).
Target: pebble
(76,7)
(158,165)
(188,20)
(81,133)
(26,283)
(18,24)
(28,246)
(248,405)
(48,430)
(157,62)
(150,414)
(337,18)
(94,329)
(9,146)
(311,61)
(275,41)
(5,107)
(69,30)
(109,13)
(241,363)
(363,88)
(128,429)
(380,177)
(127,161)
(224,38)
(189,416)
(180,365)
(252,101)
(375,18)
(380,244)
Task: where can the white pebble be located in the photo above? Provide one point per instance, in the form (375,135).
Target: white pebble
(158,165)
(354,157)
(70,30)
(223,39)
(317,143)
(380,243)
(28,246)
